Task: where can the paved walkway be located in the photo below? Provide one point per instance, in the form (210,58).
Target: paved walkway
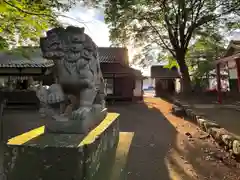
(227,116)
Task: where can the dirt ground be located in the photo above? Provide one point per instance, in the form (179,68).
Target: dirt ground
(170,148)
(162,146)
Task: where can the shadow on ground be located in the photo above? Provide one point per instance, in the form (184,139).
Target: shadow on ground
(153,138)
(159,150)
(193,157)
(16,122)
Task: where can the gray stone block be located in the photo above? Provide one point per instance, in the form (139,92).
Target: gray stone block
(188,112)
(209,125)
(198,116)
(201,124)
(236,147)
(216,133)
(76,127)
(177,103)
(48,156)
(228,140)
(194,116)
(178,111)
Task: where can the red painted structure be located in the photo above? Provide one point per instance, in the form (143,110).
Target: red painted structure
(232,56)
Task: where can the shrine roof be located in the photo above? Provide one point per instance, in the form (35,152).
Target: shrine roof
(158,71)
(113,55)
(232,53)
(32,57)
(233,48)
(24,58)
(116,68)
(227,59)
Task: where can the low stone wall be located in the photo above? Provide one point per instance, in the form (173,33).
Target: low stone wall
(224,138)
(37,155)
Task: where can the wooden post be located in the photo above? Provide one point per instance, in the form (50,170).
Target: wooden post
(238,72)
(219,86)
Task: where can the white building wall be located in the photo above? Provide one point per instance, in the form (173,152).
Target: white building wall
(138,88)
(178,85)
(148,82)
(233,73)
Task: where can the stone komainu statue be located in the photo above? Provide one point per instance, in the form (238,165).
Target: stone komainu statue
(79,87)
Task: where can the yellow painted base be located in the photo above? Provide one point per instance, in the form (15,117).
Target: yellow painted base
(88,139)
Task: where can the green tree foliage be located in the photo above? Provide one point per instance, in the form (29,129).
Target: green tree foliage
(168,24)
(23,21)
(201,55)
(203,52)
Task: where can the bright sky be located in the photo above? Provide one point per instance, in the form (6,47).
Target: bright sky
(95,27)
(92,20)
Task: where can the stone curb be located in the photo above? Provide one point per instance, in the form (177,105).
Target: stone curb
(224,138)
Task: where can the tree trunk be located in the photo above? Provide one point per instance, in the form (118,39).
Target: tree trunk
(186,81)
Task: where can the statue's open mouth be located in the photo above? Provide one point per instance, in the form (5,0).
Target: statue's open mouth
(72,56)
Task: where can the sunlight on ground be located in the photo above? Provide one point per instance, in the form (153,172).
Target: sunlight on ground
(178,168)
(124,144)
(176,163)
(165,108)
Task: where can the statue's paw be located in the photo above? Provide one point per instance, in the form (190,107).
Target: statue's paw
(80,113)
(55,98)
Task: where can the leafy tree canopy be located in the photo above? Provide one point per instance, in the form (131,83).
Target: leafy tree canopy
(202,53)
(169,25)
(23,21)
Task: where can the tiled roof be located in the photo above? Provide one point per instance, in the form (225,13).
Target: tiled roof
(25,58)
(136,72)
(164,73)
(114,68)
(233,48)
(232,53)
(34,57)
(113,55)
(223,60)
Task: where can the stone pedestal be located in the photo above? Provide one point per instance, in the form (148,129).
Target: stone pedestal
(77,127)
(36,155)
(100,154)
